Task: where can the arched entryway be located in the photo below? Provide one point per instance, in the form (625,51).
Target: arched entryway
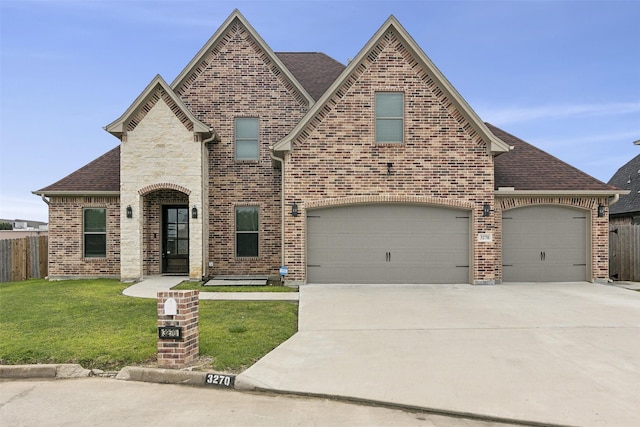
(166,232)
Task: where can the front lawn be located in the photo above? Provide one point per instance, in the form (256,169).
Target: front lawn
(91,323)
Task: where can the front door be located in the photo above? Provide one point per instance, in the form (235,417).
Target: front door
(175,239)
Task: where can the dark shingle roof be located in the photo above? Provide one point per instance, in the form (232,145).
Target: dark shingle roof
(627,178)
(529,168)
(314,70)
(101,175)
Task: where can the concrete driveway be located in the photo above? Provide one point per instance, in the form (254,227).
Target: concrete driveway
(550,353)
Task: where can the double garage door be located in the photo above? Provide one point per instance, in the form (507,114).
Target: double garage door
(387,244)
(544,244)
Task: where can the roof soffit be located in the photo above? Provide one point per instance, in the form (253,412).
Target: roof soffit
(358,66)
(193,66)
(158,89)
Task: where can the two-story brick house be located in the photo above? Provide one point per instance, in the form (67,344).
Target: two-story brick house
(374,172)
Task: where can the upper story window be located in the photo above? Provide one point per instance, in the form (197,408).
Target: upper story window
(95,232)
(389,117)
(247,147)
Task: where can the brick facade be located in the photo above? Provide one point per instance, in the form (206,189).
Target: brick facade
(66,238)
(238,80)
(439,163)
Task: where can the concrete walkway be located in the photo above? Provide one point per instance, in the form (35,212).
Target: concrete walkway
(553,353)
(150,286)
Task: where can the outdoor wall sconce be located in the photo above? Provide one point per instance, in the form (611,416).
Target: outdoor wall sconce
(194,212)
(389,166)
(294,209)
(600,211)
(486,209)
(129,212)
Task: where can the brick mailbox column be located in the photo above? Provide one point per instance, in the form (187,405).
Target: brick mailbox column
(178,343)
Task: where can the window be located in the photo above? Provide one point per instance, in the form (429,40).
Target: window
(246,231)
(95,232)
(389,117)
(247,139)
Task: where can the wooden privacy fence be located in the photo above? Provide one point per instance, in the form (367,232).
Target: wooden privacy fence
(24,258)
(624,252)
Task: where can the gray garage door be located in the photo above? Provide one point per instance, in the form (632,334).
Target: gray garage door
(387,244)
(544,244)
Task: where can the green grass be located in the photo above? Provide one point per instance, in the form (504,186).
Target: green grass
(197,286)
(91,323)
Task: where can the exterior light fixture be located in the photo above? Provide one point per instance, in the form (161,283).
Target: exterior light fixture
(194,212)
(600,211)
(129,212)
(389,166)
(294,209)
(486,209)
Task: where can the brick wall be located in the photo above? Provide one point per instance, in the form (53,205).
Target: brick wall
(237,79)
(66,252)
(439,163)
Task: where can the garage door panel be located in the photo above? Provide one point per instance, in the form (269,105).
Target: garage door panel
(544,243)
(388,244)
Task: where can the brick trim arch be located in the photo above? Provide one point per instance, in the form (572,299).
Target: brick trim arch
(585,203)
(421,200)
(163,186)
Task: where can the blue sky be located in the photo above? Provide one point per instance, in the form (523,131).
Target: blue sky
(562,75)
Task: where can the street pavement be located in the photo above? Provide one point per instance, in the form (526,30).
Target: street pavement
(105,402)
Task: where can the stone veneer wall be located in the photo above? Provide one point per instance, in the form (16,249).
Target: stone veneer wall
(237,79)
(66,251)
(159,153)
(439,163)
(599,231)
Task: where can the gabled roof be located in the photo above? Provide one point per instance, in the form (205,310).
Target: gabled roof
(101,176)
(529,169)
(314,70)
(156,88)
(628,178)
(197,62)
(494,144)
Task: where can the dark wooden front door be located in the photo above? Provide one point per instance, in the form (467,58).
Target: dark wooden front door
(175,239)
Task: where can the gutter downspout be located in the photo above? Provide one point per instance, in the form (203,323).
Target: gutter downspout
(205,186)
(613,200)
(44,199)
(281,161)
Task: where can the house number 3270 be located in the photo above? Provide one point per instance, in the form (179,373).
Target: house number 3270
(220,380)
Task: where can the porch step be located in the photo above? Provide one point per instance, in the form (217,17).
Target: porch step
(237,281)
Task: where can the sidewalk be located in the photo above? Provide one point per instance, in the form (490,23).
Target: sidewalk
(150,287)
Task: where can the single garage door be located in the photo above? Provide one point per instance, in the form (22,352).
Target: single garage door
(387,244)
(544,244)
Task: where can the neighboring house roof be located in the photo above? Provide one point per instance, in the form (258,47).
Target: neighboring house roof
(314,70)
(101,176)
(464,114)
(527,168)
(628,178)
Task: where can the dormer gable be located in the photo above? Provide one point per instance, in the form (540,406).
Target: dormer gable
(235,23)
(446,94)
(156,90)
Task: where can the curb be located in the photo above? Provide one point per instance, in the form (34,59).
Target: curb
(44,371)
(162,376)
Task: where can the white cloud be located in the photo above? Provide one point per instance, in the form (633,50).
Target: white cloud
(502,116)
